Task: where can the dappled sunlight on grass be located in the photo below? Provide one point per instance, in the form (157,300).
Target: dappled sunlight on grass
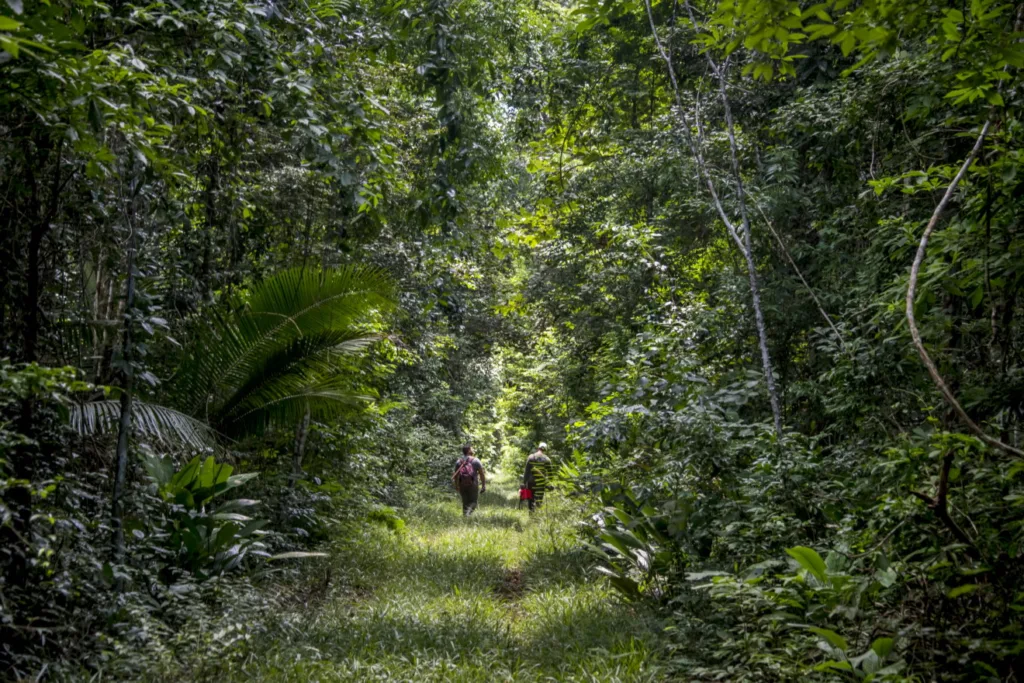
(498,596)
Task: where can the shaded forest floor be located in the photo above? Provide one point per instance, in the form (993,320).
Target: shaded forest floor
(499,596)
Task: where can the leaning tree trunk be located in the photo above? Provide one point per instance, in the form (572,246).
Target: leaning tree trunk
(915,333)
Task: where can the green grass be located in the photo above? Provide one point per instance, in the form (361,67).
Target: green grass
(500,596)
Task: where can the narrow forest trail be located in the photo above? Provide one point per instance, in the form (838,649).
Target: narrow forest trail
(499,596)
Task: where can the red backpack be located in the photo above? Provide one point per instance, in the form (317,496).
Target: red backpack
(466,472)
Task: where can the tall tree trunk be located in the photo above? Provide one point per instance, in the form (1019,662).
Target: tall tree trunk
(31,325)
(22,459)
(762,337)
(300,449)
(124,425)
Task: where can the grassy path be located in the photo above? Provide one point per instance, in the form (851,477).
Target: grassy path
(499,596)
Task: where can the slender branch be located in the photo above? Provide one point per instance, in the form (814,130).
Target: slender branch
(915,333)
(695,145)
(799,274)
(755,290)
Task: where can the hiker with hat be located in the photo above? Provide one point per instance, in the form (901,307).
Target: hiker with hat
(467,468)
(535,476)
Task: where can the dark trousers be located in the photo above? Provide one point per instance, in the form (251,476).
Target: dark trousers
(538,497)
(470,495)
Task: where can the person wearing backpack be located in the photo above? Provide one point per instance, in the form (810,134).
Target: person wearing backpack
(467,469)
(535,476)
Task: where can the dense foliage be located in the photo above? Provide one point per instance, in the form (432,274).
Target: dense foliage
(327,243)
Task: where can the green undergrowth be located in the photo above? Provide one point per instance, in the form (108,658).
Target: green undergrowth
(500,596)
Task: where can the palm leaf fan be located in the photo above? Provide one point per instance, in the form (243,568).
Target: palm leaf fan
(291,305)
(266,362)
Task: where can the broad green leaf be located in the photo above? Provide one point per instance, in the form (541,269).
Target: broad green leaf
(616,544)
(226,536)
(621,515)
(836,562)
(831,636)
(624,584)
(882,647)
(239,479)
(809,560)
(629,538)
(9,46)
(237,504)
(186,475)
(206,474)
(252,527)
(223,473)
(229,517)
(160,469)
(869,662)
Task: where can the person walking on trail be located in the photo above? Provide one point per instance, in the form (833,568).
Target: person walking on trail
(535,476)
(467,469)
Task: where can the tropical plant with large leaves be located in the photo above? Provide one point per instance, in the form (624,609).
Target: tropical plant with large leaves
(274,359)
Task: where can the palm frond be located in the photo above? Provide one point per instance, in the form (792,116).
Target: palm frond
(294,304)
(286,403)
(158,422)
(308,361)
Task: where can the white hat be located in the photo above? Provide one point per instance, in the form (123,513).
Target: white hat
(542,446)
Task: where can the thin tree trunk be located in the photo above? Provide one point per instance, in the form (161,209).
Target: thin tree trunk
(743,241)
(31,338)
(748,252)
(39,230)
(124,425)
(300,449)
(210,223)
(18,498)
(762,338)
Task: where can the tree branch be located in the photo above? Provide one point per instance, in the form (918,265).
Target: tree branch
(915,333)
(940,505)
(799,274)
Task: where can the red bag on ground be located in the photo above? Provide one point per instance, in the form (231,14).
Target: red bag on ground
(525,494)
